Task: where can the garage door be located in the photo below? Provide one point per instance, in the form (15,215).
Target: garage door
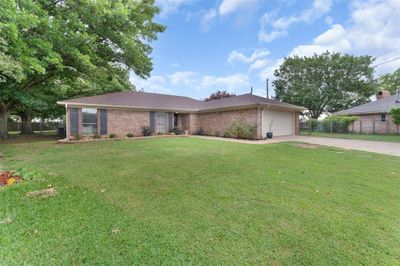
(280,123)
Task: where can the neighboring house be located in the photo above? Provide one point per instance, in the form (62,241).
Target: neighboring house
(128,112)
(373,117)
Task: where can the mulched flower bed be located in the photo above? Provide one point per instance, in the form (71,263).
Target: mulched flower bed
(8,178)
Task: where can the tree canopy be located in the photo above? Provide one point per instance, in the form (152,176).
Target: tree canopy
(55,49)
(325,83)
(390,81)
(219,95)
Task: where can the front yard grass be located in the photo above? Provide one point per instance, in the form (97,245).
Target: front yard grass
(197,201)
(385,138)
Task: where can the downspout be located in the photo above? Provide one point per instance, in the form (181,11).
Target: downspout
(66,122)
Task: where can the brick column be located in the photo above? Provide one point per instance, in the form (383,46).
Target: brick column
(296,123)
(259,123)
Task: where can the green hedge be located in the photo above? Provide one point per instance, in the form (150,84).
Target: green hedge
(242,130)
(337,123)
(331,124)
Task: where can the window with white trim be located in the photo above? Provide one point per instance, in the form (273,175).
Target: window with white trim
(89,121)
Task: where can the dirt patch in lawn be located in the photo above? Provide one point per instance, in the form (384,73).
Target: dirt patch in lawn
(307,146)
(45,193)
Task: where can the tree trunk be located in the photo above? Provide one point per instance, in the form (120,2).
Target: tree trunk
(26,126)
(3,122)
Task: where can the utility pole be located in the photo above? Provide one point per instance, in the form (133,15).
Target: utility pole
(267,88)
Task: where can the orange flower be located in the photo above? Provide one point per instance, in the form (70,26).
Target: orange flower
(10,181)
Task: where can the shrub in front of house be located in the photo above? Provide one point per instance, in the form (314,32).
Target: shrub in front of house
(177,131)
(129,135)
(96,136)
(200,132)
(227,134)
(242,130)
(78,136)
(147,131)
(112,136)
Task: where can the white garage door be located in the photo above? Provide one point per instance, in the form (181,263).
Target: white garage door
(280,123)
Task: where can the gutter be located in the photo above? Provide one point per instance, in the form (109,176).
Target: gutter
(268,105)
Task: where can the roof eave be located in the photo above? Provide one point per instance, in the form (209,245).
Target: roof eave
(72,104)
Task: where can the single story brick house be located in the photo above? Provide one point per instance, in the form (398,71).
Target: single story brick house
(373,117)
(129,111)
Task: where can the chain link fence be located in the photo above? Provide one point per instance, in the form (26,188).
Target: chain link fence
(38,127)
(355,127)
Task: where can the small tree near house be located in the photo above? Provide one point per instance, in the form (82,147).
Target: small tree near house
(395,113)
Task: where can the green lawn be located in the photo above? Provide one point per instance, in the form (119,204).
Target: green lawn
(197,201)
(386,138)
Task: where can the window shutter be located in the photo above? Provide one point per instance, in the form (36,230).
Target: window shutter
(103,121)
(152,121)
(170,121)
(74,121)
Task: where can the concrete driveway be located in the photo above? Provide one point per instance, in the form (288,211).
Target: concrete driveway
(362,145)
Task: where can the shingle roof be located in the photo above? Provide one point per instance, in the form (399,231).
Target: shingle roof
(383,105)
(145,100)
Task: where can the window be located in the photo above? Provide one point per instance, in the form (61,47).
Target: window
(383,118)
(89,121)
(161,122)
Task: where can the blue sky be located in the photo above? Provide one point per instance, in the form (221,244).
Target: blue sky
(234,45)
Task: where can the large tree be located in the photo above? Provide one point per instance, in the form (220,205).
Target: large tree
(390,81)
(219,95)
(67,48)
(325,83)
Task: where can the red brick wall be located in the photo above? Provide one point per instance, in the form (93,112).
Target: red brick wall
(124,121)
(296,123)
(216,123)
(371,124)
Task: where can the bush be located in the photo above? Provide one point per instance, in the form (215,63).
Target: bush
(200,132)
(78,136)
(96,136)
(337,124)
(177,131)
(147,131)
(227,134)
(243,130)
(112,136)
(215,133)
(129,135)
(395,113)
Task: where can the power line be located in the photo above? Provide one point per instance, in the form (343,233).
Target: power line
(388,52)
(388,61)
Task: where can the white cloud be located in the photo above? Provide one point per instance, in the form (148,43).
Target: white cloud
(260,63)
(187,78)
(269,37)
(169,7)
(175,64)
(231,82)
(154,83)
(273,29)
(236,56)
(191,80)
(361,35)
(329,20)
(229,6)
(207,18)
